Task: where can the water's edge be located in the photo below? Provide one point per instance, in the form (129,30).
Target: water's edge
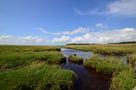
(86,79)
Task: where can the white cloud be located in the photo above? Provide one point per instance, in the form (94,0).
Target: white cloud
(62,39)
(27,40)
(110,36)
(79,12)
(122,7)
(101,26)
(117,35)
(30,39)
(43,31)
(89,12)
(117,7)
(75,31)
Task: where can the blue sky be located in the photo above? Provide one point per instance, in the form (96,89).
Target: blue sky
(53,22)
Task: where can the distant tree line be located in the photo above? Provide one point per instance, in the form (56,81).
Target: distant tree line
(127,42)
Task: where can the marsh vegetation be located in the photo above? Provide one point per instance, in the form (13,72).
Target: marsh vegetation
(46,68)
(75,59)
(33,68)
(105,61)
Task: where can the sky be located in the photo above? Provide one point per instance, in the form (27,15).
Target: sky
(58,22)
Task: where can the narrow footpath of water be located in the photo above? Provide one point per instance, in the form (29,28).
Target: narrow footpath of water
(86,80)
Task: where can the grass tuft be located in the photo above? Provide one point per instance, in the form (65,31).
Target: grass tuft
(106,66)
(125,80)
(75,59)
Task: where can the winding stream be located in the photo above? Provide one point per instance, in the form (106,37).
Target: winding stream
(86,80)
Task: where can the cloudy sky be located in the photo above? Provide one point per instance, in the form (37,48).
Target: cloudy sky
(57,22)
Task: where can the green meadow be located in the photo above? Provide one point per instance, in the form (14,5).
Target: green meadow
(34,68)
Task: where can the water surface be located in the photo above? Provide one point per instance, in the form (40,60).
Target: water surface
(86,80)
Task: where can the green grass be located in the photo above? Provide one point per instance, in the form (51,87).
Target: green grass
(14,59)
(37,76)
(15,48)
(13,56)
(132,60)
(125,80)
(106,66)
(106,49)
(75,59)
(33,68)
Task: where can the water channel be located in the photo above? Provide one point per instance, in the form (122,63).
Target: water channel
(86,79)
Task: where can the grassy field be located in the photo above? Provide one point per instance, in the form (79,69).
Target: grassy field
(107,49)
(33,68)
(105,61)
(13,48)
(37,67)
(15,59)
